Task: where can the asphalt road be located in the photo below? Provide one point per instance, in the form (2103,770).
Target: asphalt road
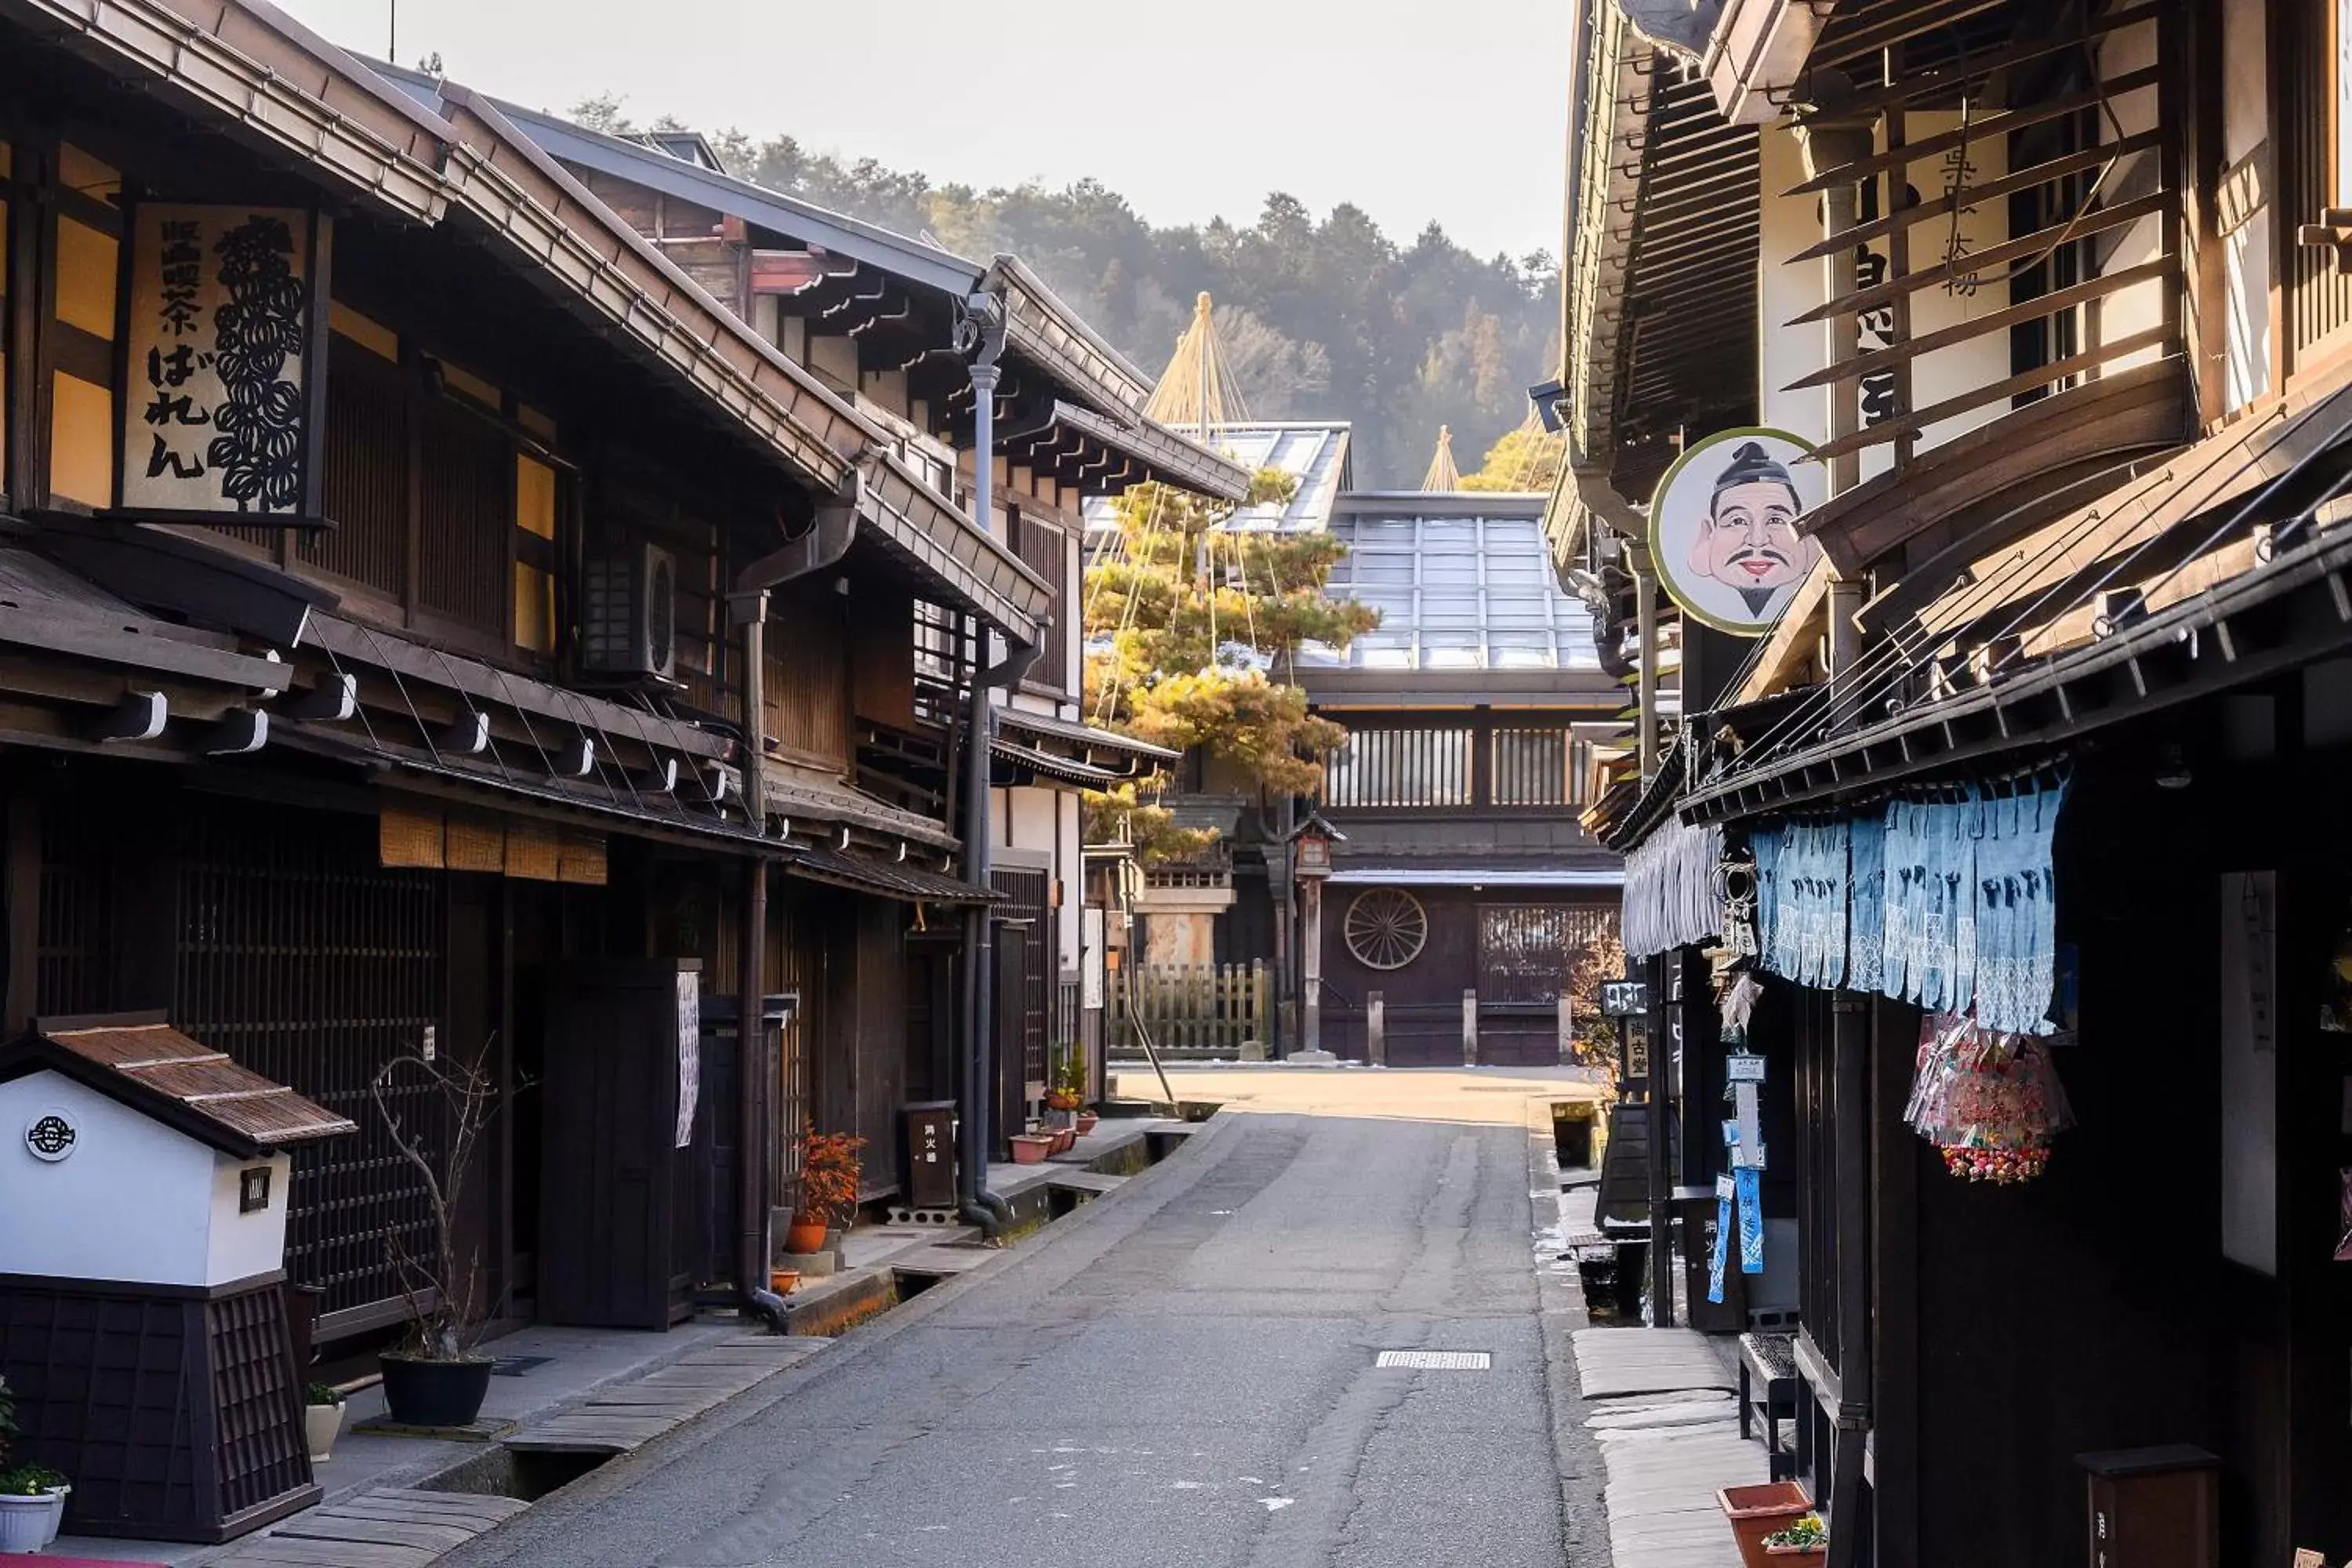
(1181,1374)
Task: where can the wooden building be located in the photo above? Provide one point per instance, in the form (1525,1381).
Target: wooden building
(410,575)
(2052,307)
(881,320)
(1463,891)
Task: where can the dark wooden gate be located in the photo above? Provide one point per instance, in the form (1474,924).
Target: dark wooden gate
(611,1252)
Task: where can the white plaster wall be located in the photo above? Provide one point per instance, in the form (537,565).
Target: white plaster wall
(1031,822)
(2246,246)
(1789,288)
(240,1246)
(1786,289)
(133,1202)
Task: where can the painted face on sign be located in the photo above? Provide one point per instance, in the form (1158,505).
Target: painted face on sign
(1749,540)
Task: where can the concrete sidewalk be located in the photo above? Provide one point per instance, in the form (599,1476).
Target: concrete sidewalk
(601,1392)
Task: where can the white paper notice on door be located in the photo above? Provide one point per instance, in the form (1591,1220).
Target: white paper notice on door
(689,1053)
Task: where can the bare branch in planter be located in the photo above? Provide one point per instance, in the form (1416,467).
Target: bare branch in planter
(442,1293)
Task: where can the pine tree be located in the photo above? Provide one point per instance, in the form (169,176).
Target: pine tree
(1191,629)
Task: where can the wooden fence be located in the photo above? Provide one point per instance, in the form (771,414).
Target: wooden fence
(1191,1009)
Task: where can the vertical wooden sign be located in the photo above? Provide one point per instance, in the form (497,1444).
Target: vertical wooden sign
(225,363)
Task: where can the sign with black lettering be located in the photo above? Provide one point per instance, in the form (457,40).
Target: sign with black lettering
(225,361)
(1625,998)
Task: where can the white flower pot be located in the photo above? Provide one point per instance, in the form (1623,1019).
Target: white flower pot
(322,1423)
(26,1523)
(57,1514)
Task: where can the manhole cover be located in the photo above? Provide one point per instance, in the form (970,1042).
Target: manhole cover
(1438,1360)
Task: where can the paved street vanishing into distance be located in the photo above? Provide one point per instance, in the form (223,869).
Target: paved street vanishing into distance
(1183,1375)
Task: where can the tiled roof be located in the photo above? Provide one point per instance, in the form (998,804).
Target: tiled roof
(155,1068)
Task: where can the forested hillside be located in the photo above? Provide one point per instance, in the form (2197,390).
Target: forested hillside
(1320,318)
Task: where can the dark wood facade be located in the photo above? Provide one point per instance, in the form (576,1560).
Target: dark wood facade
(327,794)
(2174,1276)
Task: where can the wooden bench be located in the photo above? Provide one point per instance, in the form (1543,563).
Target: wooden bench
(1769,1389)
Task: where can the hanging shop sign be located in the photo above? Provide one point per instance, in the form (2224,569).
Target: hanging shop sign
(1625,998)
(1723,526)
(225,360)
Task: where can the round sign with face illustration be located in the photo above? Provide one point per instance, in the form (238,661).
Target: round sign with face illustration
(1723,528)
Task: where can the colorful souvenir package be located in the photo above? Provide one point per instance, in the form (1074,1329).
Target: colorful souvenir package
(1990,1101)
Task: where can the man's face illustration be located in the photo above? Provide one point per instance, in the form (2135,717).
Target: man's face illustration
(1750,542)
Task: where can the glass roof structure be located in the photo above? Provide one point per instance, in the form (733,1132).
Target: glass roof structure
(1462,581)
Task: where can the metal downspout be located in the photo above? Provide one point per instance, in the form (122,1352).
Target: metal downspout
(754,1247)
(980,333)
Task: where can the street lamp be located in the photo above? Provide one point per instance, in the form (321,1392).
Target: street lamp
(1310,863)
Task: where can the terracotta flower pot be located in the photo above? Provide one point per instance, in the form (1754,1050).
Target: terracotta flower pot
(1796,1554)
(1030,1148)
(784,1281)
(1065,1140)
(1087,1123)
(804,1235)
(1760,1510)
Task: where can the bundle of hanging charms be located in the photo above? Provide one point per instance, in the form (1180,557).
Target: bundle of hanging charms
(1990,1099)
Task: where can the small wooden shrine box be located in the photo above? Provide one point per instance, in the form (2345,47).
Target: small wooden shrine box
(142,1321)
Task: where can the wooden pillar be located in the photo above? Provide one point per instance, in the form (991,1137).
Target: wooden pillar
(23,894)
(1310,962)
(1376,1028)
(1660,1184)
(1895,1289)
(1470,1027)
(1646,604)
(1850,1151)
(1566,1027)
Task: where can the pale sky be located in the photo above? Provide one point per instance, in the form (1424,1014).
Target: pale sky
(1454,110)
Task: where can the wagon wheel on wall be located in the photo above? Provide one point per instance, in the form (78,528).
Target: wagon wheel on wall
(1386,928)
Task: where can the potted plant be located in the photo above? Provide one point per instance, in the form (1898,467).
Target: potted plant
(437,1378)
(32,1497)
(830,1170)
(323,1419)
(1757,1511)
(1065,1093)
(1805,1538)
(1030,1148)
(32,1502)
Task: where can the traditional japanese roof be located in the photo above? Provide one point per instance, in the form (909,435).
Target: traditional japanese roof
(428,151)
(1313,455)
(1084,735)
(1462,583)
(902,880)
(139,1059)
(1059,442)
(1472,873)
(45,608)
(2220,567)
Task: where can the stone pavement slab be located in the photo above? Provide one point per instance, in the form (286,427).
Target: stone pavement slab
(1659,1406)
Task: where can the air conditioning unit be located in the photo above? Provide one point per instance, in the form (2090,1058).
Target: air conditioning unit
(628,614)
